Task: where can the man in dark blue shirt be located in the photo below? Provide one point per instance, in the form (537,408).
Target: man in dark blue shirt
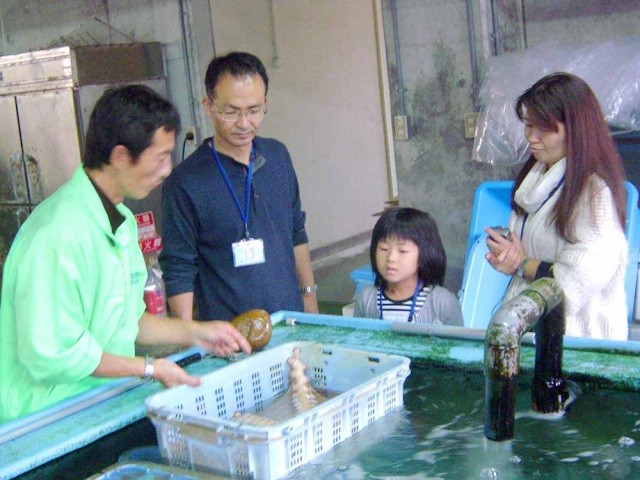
(233,228)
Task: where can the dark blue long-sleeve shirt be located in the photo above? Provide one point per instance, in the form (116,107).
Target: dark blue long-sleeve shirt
(200,223)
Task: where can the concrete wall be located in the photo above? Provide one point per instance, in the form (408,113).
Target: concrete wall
(435,170)
(327,108)
(324,102)
(575,21)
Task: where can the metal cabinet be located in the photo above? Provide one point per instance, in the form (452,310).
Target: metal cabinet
(46,98)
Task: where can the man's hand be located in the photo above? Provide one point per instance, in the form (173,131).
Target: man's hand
(219,337)
(170,374)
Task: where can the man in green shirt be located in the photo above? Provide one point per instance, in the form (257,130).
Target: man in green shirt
(72,295)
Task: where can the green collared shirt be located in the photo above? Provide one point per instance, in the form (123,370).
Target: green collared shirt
(72,289)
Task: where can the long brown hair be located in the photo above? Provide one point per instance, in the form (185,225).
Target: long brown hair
(567,99)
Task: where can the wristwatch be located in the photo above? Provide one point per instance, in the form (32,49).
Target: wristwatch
(309,289)
(148,368)
(520,269)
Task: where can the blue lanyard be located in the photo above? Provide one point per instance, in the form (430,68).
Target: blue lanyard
(243,215)
(413,300)
(551,193)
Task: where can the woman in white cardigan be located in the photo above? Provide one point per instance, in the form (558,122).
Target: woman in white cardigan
(568,208)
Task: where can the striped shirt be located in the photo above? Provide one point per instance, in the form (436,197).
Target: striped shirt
(398,310)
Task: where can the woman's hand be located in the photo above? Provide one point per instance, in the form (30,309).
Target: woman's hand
(219,337)
(504,255)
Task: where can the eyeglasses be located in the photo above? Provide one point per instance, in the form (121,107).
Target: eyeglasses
(253,114)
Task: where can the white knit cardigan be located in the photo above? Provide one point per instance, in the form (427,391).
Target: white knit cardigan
(591,271)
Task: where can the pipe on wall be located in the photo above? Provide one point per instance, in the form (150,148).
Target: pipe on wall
(498,48)
(275,61)
(396,44)
(473,52)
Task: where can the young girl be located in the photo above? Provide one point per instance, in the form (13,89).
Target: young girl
(409,263)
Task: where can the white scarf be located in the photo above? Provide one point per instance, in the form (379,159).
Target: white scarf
(538,185)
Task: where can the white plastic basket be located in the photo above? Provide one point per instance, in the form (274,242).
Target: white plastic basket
(196,430)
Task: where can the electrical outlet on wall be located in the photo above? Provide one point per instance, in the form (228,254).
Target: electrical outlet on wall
(470,124)
(401,129)
(190,134)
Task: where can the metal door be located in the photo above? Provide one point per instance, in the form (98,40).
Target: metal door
(50,141)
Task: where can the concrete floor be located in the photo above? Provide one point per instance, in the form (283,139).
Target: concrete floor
(333,276)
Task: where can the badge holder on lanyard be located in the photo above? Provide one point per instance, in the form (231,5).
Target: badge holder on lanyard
(413,301)
(248,251)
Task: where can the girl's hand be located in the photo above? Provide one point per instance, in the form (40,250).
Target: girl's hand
(504,255)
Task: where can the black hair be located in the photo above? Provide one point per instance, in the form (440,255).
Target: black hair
(419,227)
(237,64)
(127,116)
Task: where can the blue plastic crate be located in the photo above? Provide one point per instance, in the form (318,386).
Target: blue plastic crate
(363,277)
(491,207)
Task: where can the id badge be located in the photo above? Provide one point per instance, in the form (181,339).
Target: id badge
(248,252)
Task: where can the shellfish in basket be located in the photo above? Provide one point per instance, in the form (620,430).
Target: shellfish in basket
(300,397)
(254,325)
(304,396)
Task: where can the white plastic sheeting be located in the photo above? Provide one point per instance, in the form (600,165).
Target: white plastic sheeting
(611,68)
